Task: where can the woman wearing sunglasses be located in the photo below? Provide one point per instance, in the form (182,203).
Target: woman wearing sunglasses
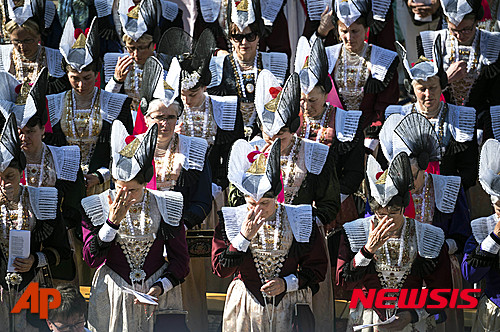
(391,251)
(236,73)
(470,60)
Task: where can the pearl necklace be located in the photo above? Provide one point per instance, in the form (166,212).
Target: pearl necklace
(401,247)
(240,80)
(472,60)
(142,219)
(35,65)
(361,64)
(277,231)
(40,179)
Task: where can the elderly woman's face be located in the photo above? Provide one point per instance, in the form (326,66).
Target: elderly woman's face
(266,205)
(245,48)
(25,42)
(166,117)
(313,103)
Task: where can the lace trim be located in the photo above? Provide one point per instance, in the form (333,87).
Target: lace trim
(56,105)
(194,150)
(216,68)
(316,7)
(43,201)
(270,10)
(210,10)
(463,121)
(380,9)
(276,63)
(357,233)
(428,38)
(332,53)
(315,156)
(224,110)
(482,227)
(110,60)
(54,60)
(346,124)
(495,121)
(489,47)
(50,13)
(169,10)
(96,207)
(170,205)
(103,7)
(111,104)
(233,219)
(430,239)
(446,189)
(5,61)
(300,219)
(66,160)
(381,59)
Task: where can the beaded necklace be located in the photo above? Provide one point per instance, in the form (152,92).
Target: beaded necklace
(40,178)
(167,174)
(93,108)
(291,162)
(313,124)
(249,87)
(207,130)
(21,64)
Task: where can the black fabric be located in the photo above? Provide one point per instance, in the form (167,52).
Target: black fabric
(349,162)
(373,85)
(480,258)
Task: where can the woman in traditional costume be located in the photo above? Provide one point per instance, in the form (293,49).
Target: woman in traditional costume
(364,75)
(47,166)
(438,200)
(181,165)
(213,118)
(236,74)
(454,125)
(481,250)
(26,57)
(330,125)
(28,209)
(309,175)
(275,250)
(470,59)
(126,232)
(83,115)
(390,251)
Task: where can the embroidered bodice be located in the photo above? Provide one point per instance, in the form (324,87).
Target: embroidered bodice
(42,174)
(25,70)
(137,233)
(424,201)
(82,127)
(393,261)
(316,129)
(132,85)
(15,216)
(294,169)
(460,89)
(351,73)
(200,122)
(270,246)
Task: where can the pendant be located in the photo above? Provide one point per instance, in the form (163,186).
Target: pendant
(13,278)
(248,132)
(137,275)
(250,87)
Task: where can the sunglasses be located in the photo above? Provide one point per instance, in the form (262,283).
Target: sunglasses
(249,36)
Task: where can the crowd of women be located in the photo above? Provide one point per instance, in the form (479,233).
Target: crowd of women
(141,160)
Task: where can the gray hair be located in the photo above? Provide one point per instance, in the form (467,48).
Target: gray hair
(156,104)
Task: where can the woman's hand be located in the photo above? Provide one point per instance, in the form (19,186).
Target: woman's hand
(456,71)
(274,287)
(153,291)
(91,180)
(402,320)
(24,264)
(379,234)
(123,67)
(119,207)
(325,23)
(496,230)
(252,223)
